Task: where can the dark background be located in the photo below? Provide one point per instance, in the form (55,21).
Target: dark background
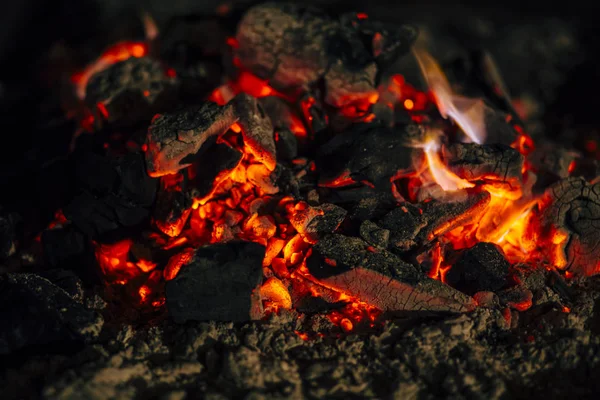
(35,136)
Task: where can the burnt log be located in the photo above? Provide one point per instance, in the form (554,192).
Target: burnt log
(570,225)
(34,311)
(381,278)
(219,283)
(130,91)
(480,268)
(414,225)
(174,138)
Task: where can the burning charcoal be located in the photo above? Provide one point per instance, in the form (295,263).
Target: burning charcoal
(480,268)
(219,158)
(380,278)
(8,234)
(495,163)
(330,218)
(569,223)
(174,137)
(487,299)
(286,144)
(113,193)
(63,246)
(218,284)
(518,298)
(365,153)
(35,311)
(172,210)
(374,235)
(413,225)
(130,91)
(295,46)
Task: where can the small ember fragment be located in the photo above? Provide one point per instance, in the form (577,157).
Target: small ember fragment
(219,283)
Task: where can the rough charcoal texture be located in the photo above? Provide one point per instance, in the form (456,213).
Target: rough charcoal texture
(480,268)
(572,206)
(381,278)
(322,225)
(495,163)
(173,138)
(413,225)
(8,233)
(367,152)
(293,46)
(218,284)
(113,193)
(34,311)
(131,91)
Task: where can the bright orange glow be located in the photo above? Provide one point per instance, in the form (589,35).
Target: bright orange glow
(409,104)
(144,292)
(274,291)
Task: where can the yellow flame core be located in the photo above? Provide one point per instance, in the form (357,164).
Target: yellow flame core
(441,174)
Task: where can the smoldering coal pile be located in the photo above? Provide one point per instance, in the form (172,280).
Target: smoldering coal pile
(289,214)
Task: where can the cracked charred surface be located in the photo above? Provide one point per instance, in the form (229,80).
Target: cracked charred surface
(294,46)
(381,278)
(414,225)
(130,91)
(570,219)
(174,137)
(493,163)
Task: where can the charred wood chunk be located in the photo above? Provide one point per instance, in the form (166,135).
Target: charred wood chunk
(380,278)
(295,46)
(517,297)
(113,193)
(68,281)
(172,137)
(286,144)
(219,283)
(172,209)
(494,163)
(329,219)
(480,268)
(34,311)
(374,235)
(413,225)
(213,165)
(570,223)
(130,91)
(366,153)
(8,233)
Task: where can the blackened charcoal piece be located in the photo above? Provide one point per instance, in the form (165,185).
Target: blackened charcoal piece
(571,217)
(517,297)
(480,268)
(114,192)
(413,225)
(374,235)
(367,153)
(380,278)
(174,137)
(35,311)
(294,46)
(552,162)
(286,144)
(491,163)
(8,233)
(172,209)
(130,91)
(219,283)
(330,219)
(214,165)
(68,281)
(63,246)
